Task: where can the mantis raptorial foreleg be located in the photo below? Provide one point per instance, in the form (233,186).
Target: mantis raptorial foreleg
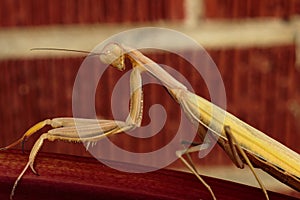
(84,130)
(133,120)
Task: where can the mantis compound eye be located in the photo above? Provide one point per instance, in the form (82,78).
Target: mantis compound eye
(113,54)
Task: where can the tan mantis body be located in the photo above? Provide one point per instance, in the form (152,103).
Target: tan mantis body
(238,139)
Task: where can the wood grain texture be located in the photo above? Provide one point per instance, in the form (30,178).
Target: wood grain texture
(70,177)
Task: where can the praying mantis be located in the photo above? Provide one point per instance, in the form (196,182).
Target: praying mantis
(241,142)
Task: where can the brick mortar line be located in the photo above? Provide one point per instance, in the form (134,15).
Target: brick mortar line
(16,42)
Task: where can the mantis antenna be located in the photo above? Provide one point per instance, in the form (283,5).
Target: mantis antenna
(63,49)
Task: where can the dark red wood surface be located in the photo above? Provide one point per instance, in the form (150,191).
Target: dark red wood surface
(70,177)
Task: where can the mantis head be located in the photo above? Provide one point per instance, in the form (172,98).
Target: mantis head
(113,54)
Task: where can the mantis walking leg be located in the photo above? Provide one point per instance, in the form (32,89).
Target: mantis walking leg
(232,142)
(235,152)
(192,168)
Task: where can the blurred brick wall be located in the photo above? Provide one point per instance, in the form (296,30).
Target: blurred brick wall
(262,82)
(235,9)
(36,13)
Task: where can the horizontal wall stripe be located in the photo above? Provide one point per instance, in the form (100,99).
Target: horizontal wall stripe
(17,42)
